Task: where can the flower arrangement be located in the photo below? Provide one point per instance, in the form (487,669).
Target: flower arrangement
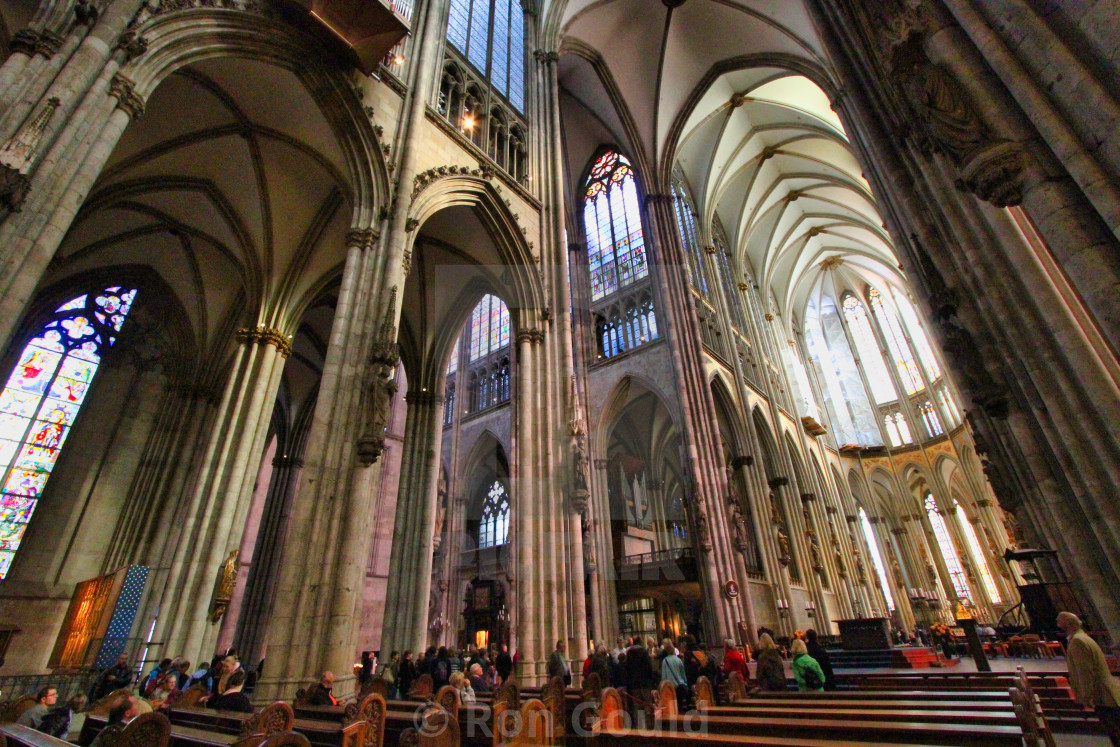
(800,635)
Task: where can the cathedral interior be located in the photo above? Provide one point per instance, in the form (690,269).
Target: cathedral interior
(347,326)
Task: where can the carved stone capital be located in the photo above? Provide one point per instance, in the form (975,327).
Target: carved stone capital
(851,518)
(579,500)
(995,174)
(601,464)
(261,335)
(24,41)
(132,44)
(545,57)
(124,91)
(411,224)
(899,530)
(741,461)
(48,44)
(777,482)
(361,238)
(658,199)
(421,398)
(369,449)
(286,461)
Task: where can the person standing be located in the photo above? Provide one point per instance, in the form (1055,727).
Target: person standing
(818,652)
(1093,685)
(806,670)
(673,670)
(503,662)
(115,677)
(558,665)
(769,671)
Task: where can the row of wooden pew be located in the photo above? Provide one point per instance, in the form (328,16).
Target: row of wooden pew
(900,710)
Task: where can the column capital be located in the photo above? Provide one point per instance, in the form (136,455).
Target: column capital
(899,530)
(777,482)
(25,41)
(132,44)
(361,238)
(287,461)
(546,57)
(422,398)
(124,91)
(743,460)
(657,198)
(262,335)
(48,43)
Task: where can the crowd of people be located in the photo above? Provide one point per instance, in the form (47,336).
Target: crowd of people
(470,671)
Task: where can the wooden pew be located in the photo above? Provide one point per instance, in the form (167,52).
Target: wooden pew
(899,732)
(14,735)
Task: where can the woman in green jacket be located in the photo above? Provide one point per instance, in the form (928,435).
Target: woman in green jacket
(806,670)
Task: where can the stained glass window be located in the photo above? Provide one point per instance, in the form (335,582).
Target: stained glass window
(489,327)
(491,35)
(948,551)
(690,238)
(859,324)
(897,429)
(917,334)
(947,402)
(453,359)
(493,530)
(908,371)
(929,416)
(876,558)
(41,399)
(978,558)
(615,243)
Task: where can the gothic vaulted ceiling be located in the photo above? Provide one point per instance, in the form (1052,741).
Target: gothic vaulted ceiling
(722,88)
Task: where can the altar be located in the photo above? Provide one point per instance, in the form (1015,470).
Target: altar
(865,634)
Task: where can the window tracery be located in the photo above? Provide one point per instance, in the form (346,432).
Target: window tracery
(626,324)
(876,558)
(690,237)
(493,529)
(43,396)
(615,242)
(908,372)
(929,417)
(868,350)
(898,430)
(948,551)
(979,559)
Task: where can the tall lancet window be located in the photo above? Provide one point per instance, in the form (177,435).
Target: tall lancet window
(917,334)
(690,237)
(948,550)
(616,248)
(978,557)
(876,558)
(493,530)
(908,371)
(859,324)
(490,34)
(43,396)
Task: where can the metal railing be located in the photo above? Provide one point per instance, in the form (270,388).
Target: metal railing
(68,685)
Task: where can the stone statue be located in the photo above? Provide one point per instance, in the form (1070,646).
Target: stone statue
(896,569)
(223,587)
(579,465)
(861,570)
(739,524)
(381,387)
(814,551)
(783,548)
(703,531)
(840,567)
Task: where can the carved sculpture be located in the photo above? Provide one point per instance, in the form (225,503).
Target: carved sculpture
(742,533)
(223,588)
(861,570)
(380,386)
(784,556)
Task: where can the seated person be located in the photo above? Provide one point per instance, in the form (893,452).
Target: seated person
(120,714)
(165,691)
(58,719)
(321,694)
(477,679)
(45,699)
(459,681)
(233,699)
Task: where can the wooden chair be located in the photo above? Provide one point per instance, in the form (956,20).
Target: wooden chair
(666,701)
(536,725)
(13,709)
(736,687)
(422,687)
(556,700)
(146,730)
(372,711)
(592,687)
(612,714)
(510,694)
(448,699)
(273,719)
(286,739)
(705,697)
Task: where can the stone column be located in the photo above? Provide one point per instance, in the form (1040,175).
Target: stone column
(59,186)
(221,496)
(317,569)
(410,562)
(260,588)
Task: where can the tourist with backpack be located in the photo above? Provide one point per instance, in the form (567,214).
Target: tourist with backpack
(806,670)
